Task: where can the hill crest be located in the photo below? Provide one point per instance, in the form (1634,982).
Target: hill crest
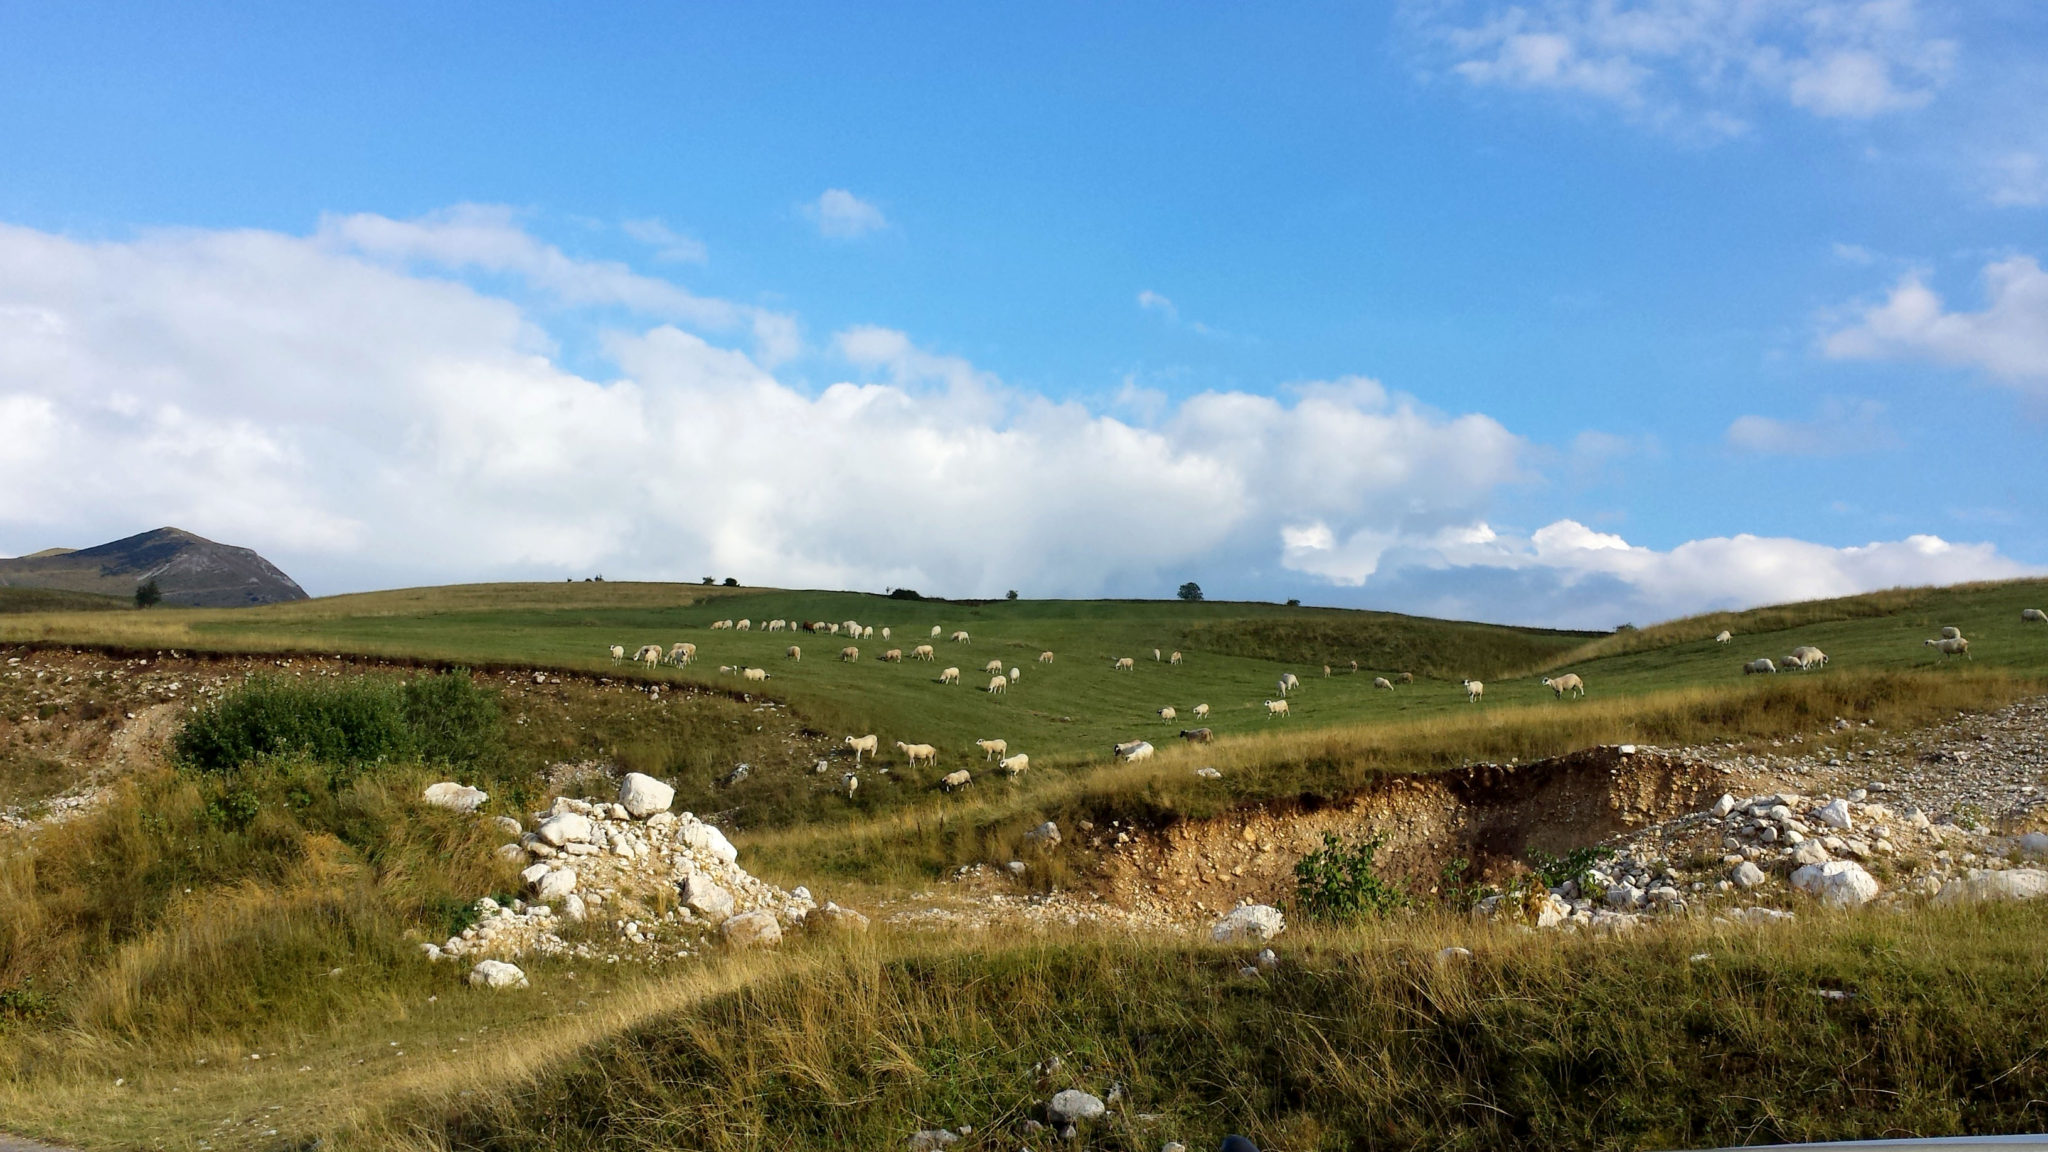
(189,569)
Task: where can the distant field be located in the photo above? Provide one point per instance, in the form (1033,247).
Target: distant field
(15,600)
(1077,706)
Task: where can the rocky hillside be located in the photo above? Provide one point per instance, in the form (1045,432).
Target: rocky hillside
(191,571)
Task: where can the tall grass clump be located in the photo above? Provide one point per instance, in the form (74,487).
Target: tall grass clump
(354,723)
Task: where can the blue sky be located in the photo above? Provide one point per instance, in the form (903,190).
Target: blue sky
(1672,273)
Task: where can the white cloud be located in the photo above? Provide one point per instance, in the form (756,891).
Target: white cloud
(841,215)
(2018,180)
(2008,339)
(1695,65)
(1151,301)
(330,400)
(1840,427)
(668,244)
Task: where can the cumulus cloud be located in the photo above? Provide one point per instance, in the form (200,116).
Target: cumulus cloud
(2008,339)
(371,405)
(668,244)
(1695,65)
(841,215)
(1839,428)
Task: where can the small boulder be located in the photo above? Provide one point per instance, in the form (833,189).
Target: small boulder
(511,853)
(1810,852)
(508,826)
(455,797)
(1074,1106)
(566,828)
(555,885)
(1046,835)
(1983,885)
(2033,845)
(1838,883)
(496,974)
(706,897)
(1747,875)
(704,838)
(573,908)
(1835,814)
(1723,806)
(1249,924)
(642,796)
(752,930)
(931,1140)
(845,919)
(533,874)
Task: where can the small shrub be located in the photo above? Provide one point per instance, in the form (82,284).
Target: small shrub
(147,594)
(1294,603)
(905,594)
(1010,595)
(1557,870)
(732,582)
(1338,884)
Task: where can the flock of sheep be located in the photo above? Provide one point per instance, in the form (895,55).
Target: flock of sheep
(1951,642)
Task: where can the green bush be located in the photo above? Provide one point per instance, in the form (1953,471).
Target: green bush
(1337,884)
(1557,870)
(348,725)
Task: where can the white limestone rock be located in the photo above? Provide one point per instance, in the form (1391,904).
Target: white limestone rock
(1838,883)
(1982,885)
(752,930)
(455,797)
(704,896)
(566,828)
(497,974)
(1249,924)
(642,796)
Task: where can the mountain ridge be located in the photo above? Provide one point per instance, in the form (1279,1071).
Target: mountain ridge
(190,570)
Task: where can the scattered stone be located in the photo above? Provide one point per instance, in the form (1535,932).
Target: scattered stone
(455,797)
(1759,916)
(1838,883)
(752,929)
(555,885)
(1723,806)
(1016,867)
(511,853)
(1453,955)
(1982,885)
(1074,1106)
(573,908)
(705,896)
(1208,773)
(834,916)
(1835,815)
(1046,835)
(642,796)
(1810,852)
(497,974)
(508,826)
(1249,924)
(1747,875)
(704,838)
(1268,959)
(566,828)
(931,1140)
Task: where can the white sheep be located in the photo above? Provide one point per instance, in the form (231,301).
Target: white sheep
(998,684)
(950,676)
(1807,656)
(923,652)
(960,638)
(680,655)
(1132,750)
(650,656)
(1405,678)
(917,752)
(953,781)
(794,653)
(716,625)
(851,783)
(893,656)
(852,626)
(992,666)
(861,744)
(1951,633)
(1763,666)
(1383,682)
(1276,708)
(1569,682)
(1016,674)
(937,631)
(1045,657)
(1292,683)
(1174,659)
(1473,690)
(1951,646)
(728,669)
(775,626)
(755,673)
(867,633)
(885,633)
(1201,711)
(993,748)
(1167,713)
(1012,765)
(1326,671)
(1723,636)
(1124,664)
(832,628)
(2033,616)
(618,653)
(849,654)
(1155,655)
(743,626)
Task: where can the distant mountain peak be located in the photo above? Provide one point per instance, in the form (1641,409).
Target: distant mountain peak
(189,569)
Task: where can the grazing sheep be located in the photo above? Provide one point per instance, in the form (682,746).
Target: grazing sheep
(1292,683)
(916,752)
(1045,657)
(1016,674)
(718,624)
(960,638)
(998,684)
(950,676)
(937,631)
(794,653)
(1951,646)
(1951,633)
(1124,664)
(1763,666)
(1354,667)
(727,669)
(1473,690)
(849,654)
(1383,682)
(743,626)
(992,666)
(1807,656)
(618,653)
(1276,708)
(1155,655)
(775,626)
(1131,750)
(952,781)
(1013,765)
(2033,616)
(893,656)
(680,655)
(1405,678)
(650,656)
(1201,711)
(851,783)
(994,748)
(1723,636)
(1174,659)
(923,652)
(1569,682)
(852,626)
(1167,713)
(885,633)
(832,628)
(861,744)
(1197,735)
(755,673)
(1326,671)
